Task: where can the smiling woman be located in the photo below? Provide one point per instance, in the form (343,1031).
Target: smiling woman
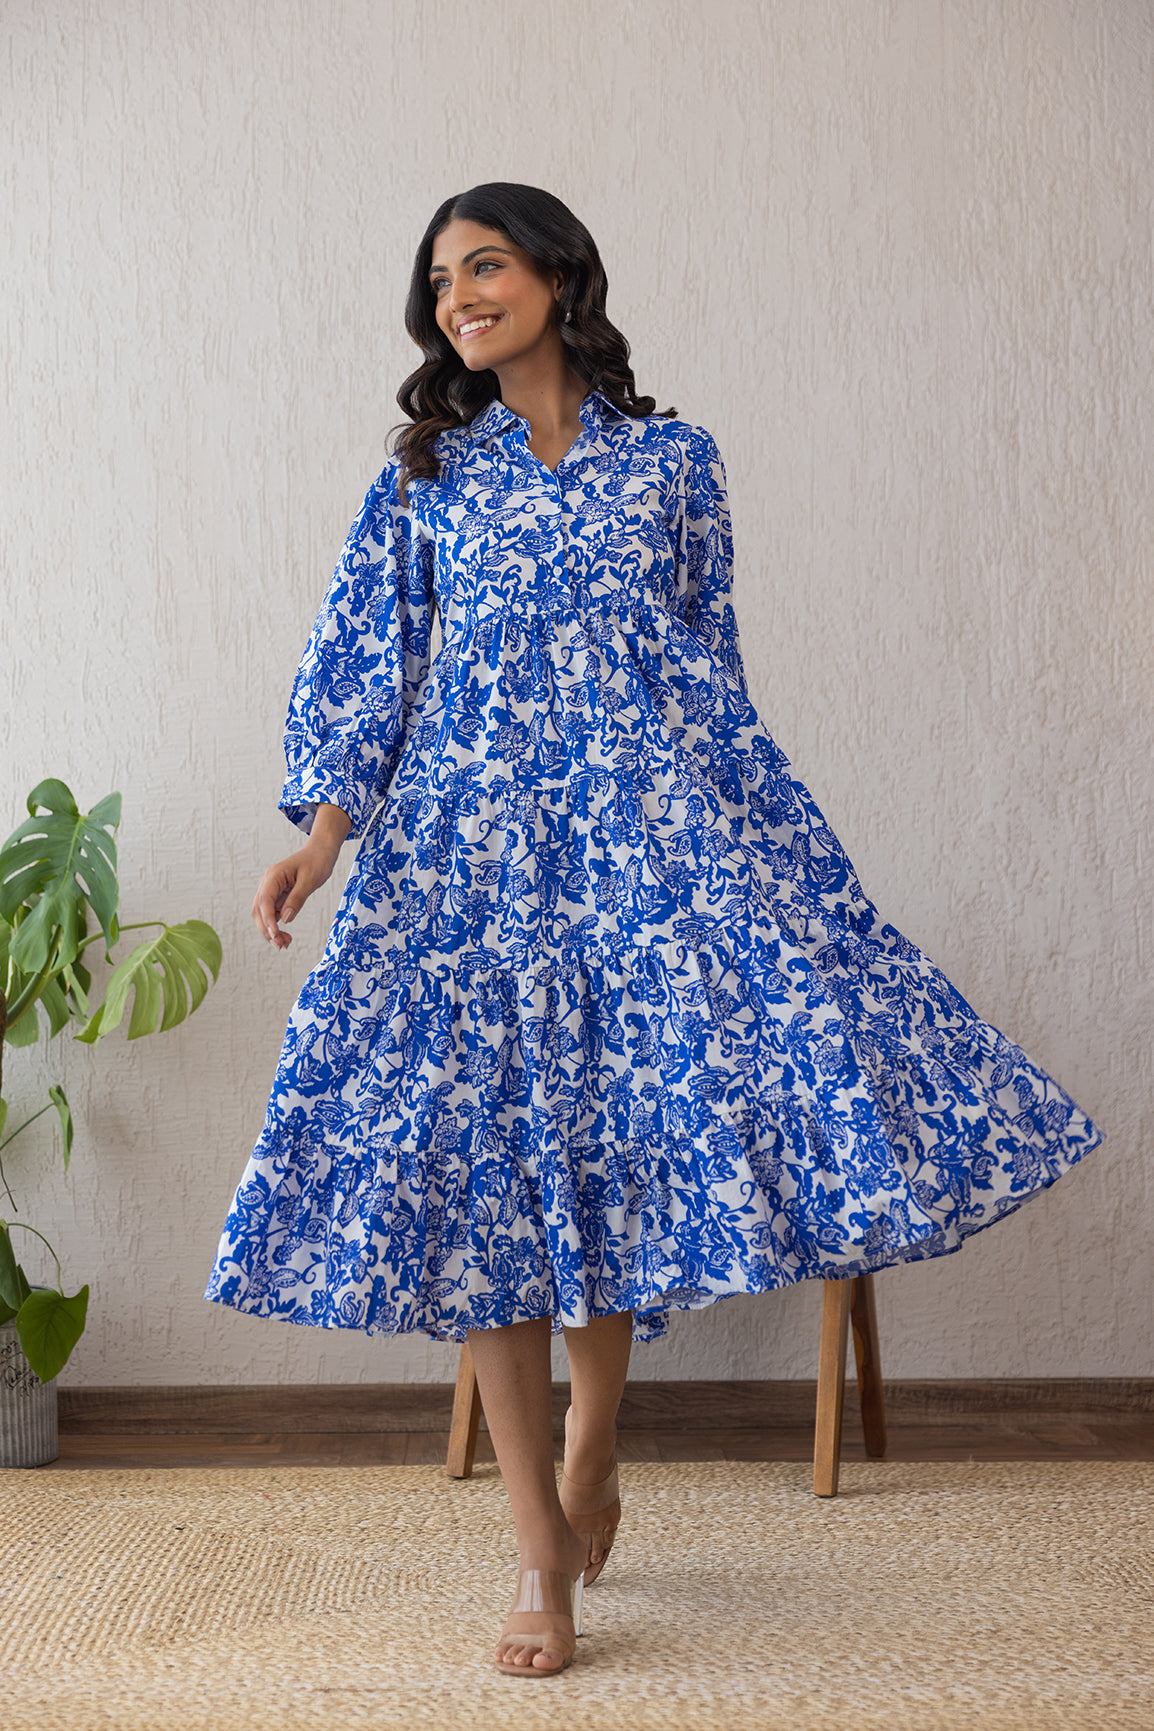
(500,314)
(606,1025)
(505,283)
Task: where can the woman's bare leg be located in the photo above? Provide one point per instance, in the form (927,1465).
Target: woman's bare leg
(598,1365)
(514,1376)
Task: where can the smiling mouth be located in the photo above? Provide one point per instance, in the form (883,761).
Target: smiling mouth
(477,327)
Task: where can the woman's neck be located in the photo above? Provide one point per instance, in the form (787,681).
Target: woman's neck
(549,398)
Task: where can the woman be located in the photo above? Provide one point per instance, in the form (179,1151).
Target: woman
(605,1024)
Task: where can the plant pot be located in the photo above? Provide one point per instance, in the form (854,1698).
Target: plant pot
(28,1407)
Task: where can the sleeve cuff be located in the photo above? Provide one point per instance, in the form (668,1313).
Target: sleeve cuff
(307,789)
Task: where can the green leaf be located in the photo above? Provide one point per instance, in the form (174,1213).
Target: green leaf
(16,982)
(26,1030)
(14,1288)
(48,1326)
(164,974)
(55,1006)
(77,980)
(3,1119)
(56,1095)
(55,862)
(6,1313)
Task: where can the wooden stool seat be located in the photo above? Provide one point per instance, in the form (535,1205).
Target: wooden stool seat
(844,1303)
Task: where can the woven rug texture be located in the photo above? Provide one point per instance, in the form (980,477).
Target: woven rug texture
(1005,1597)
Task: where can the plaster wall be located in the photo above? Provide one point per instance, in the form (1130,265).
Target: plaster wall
(895,255)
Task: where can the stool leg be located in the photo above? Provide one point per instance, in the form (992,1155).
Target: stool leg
(830,1386)
(863,1317)
(466,1418)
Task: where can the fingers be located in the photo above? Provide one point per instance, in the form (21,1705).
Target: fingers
(278,897)
(283,892)
(264,912)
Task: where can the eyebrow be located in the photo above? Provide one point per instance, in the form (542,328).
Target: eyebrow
(434,268)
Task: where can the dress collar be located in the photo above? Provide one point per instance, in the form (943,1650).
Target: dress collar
(595,409)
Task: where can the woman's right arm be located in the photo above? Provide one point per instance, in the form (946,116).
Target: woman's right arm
(286,886)
(363,666)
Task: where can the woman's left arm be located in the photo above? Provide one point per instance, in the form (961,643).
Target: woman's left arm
(707,555)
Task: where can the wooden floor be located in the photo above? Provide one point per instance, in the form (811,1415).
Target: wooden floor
(427,1448)
(399,1424)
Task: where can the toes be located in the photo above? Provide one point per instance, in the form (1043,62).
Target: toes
(524,1654)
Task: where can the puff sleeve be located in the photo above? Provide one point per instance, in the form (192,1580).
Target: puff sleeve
(706,552)
(364,664)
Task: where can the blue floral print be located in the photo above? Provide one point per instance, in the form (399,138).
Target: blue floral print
(605,1020)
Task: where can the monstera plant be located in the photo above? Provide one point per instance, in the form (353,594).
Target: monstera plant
(55,870)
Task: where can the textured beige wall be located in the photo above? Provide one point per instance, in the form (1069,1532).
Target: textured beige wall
(897,257)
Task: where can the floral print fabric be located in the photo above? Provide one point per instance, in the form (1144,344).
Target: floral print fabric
(605,1020)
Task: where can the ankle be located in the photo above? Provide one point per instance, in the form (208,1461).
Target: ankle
(590,1449)
(552,1546)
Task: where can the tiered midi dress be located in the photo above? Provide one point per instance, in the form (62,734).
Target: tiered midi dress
(605,1020)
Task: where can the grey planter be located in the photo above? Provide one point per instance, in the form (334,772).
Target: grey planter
(28,1408)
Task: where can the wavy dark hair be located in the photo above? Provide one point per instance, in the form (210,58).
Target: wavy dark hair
(443,393)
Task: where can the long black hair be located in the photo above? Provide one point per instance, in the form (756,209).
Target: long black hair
(442,392)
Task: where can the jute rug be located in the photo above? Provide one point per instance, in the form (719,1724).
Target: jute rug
(928,1597)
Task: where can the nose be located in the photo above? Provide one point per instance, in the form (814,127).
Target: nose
(460,294)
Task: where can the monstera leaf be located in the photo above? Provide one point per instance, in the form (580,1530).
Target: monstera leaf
(51,865)
(56,866)
(165,974)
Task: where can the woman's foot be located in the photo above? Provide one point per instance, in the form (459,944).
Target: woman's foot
(540,1635)
(590,1497)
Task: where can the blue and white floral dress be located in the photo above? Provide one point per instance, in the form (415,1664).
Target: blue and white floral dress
(605,1021)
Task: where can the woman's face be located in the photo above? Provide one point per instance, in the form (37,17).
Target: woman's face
(491,301)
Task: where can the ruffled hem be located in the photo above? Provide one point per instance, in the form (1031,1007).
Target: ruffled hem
(661,1283)
(399,1238)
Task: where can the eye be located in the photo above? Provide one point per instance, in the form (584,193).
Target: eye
(436,282)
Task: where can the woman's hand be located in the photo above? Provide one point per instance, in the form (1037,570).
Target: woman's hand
(286,886)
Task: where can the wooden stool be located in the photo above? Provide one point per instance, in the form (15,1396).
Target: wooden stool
(843,1302)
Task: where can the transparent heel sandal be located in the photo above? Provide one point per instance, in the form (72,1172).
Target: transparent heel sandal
(598,1527)
(545,1591)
